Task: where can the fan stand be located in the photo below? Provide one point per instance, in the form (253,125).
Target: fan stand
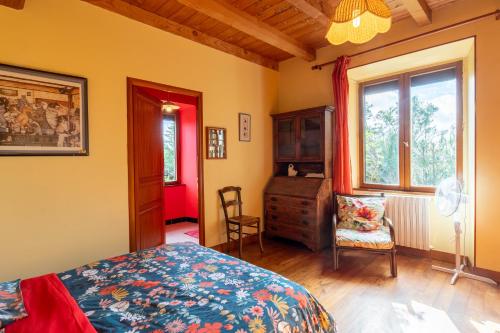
(458,271)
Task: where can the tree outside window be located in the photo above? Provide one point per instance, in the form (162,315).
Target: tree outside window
(170,149)
(411,139)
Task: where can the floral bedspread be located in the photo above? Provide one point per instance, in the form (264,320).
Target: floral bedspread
(185,287)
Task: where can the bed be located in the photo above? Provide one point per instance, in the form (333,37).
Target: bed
(185,287)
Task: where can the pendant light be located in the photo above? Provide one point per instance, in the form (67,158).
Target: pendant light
(358,21)
(168,106)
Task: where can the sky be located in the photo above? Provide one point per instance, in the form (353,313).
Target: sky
(441,94)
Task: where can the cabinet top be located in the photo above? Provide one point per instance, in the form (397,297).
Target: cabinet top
(323,108)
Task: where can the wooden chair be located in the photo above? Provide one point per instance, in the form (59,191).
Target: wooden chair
(365,241)
(235,224)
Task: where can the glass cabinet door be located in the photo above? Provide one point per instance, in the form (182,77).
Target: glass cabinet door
(311,144)
(286,139)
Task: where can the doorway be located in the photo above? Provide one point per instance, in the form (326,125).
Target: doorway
(165,163)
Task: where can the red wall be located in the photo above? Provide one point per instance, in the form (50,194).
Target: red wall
(174,202)
(189,167)
(182,200)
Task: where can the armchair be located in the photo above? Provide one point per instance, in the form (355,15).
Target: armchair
(381,240)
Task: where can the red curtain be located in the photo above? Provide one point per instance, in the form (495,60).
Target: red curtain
(342,182)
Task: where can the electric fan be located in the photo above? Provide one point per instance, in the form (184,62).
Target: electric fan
(449,197)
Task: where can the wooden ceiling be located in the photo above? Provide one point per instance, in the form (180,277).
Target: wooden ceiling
(262,31)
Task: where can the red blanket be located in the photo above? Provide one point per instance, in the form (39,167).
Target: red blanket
(50,308)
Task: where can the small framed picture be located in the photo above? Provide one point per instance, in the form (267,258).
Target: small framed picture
(42,113)
(216,143)
(245,127)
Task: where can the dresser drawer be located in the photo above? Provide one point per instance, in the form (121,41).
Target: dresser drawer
(276,208)
(302,213)
(290,232)
(284,219)
(290,201)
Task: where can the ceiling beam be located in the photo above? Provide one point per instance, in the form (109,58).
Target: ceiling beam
(133,12)
(311,11)
(16,4)
(240,20)
(329,7)
(419,10)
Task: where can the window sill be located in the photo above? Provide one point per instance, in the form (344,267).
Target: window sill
(375,190)
(173,184)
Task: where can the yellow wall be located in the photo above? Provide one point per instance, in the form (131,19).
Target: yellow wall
(60,212)
(300,87)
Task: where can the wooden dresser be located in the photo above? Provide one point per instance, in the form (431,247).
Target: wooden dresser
(300,208)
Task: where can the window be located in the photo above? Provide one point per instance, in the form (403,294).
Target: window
(171,149)
(411,129)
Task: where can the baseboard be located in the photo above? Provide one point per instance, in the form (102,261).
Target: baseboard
(181,219)
(432,254)
(494,275)
(449,258)
(234,244)
(410,251)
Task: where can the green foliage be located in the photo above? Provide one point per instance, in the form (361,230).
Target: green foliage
(433,150)
(169,149)
(381,146)
(433,153)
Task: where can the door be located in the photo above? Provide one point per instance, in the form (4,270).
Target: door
(286,140)
(145,136)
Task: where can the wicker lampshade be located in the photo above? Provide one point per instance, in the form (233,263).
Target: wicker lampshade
(358,21)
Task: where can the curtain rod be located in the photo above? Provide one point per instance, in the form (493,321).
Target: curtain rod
(454,25)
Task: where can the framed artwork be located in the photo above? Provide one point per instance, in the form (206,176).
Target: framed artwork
(245,127)
(216,143)
(42,113)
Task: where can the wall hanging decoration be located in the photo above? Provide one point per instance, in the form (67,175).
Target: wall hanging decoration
(358,21)
(42,113)
(245,127)
(216,143)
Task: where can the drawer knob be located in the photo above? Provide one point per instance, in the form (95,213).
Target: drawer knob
(274,217)
(305,222)
(305,235)
(305,211)
(273,207)
(274,199)
(305,203)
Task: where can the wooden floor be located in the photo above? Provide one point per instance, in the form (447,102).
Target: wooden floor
(363,297)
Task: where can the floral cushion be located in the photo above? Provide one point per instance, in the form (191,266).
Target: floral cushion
(376,239)
(11,303)
(360,213)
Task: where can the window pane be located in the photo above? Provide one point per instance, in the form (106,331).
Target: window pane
(433,127)
(286,138)
(310,137)
(170,149)
(381,133)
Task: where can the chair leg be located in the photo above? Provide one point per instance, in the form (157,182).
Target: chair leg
(228,244)
(240,241)
(260,238)
(335,259)
(394,267)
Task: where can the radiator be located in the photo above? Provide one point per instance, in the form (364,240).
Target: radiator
(411,217)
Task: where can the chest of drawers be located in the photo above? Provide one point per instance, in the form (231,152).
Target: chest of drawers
(299,209)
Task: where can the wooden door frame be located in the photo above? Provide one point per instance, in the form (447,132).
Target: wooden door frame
(131,84)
